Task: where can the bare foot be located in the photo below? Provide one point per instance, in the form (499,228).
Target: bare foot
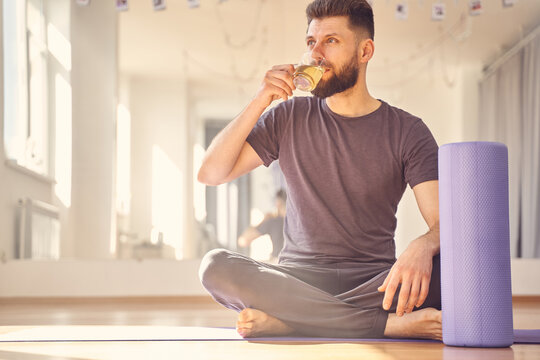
(255,323)
(424,324)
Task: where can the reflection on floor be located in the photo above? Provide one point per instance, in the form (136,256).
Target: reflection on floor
(163,313)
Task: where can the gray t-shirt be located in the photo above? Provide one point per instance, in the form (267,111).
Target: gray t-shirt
(345,177)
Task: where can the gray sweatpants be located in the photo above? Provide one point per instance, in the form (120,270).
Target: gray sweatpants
(330,300)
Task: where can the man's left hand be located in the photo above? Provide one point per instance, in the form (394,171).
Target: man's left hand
(413,271)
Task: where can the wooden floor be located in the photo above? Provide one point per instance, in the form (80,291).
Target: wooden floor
(203,312)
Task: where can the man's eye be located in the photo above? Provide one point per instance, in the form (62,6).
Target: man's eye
(310,43)
(332,40)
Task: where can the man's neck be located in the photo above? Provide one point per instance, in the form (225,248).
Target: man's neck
(353,102)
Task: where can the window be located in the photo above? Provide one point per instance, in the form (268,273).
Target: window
(26,54)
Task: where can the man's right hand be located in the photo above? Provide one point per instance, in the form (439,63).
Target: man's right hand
(277,84)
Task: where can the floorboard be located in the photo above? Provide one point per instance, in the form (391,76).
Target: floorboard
(203,312)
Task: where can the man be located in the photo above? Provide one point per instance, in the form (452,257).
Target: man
(272,224)
(347,158)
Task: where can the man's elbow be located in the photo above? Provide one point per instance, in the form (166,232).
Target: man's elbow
(205,177)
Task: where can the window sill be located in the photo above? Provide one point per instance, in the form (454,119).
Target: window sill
(11,163)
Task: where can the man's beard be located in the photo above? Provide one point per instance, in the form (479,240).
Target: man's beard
(342,80)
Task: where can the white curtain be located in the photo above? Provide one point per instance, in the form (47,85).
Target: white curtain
(530,180)
(510,113)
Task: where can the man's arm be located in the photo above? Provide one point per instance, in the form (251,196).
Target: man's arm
(413,268)
(250,234)
(229,155)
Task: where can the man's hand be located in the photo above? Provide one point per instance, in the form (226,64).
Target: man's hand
(277,83)
(413,271)
(413,268)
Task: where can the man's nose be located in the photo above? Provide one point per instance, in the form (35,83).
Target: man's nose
(316,52)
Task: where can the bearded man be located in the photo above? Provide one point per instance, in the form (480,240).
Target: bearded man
(347,158)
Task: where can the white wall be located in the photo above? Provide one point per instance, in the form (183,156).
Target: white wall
(94,84)
(100,278)
(158,109)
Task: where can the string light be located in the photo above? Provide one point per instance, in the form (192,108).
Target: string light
(211,70)
(458,32)
(252,32)
(245,76)
(450,33)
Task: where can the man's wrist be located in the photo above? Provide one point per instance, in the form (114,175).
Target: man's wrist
(260,102)
(432,239)
(435,246)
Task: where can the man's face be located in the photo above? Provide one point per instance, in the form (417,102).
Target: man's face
(332,39)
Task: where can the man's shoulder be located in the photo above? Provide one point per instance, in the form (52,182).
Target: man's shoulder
(297,105)
(400,116)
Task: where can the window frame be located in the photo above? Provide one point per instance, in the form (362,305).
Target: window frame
(20,137)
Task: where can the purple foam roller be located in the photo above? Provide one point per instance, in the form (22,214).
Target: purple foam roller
(476,286)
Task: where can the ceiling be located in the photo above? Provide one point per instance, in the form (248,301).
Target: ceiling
(237,40)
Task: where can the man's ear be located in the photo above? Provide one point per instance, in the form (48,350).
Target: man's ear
(367,48)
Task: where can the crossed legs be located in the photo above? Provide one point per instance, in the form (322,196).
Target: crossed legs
(275,300)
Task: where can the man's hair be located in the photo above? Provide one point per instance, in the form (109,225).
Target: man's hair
(359,13)
(281,194)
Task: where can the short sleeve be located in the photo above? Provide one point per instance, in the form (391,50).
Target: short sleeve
(265,137)
(420,157)
(264,227)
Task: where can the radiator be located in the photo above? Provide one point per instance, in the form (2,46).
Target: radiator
(38,230)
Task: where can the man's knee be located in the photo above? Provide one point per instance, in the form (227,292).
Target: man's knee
(218,268)
(211,263)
